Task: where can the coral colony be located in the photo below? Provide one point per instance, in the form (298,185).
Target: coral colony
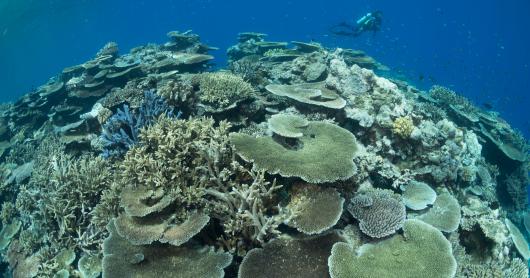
(295,157)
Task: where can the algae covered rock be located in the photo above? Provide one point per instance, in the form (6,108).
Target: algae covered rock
(324,154)
(422,251)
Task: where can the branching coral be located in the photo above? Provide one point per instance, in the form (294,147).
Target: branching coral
(193,162)
(222,90)
(243,210)
(47,207)
(121,130)
(403,127)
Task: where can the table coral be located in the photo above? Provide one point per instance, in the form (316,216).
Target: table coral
(422,251)
(380,212)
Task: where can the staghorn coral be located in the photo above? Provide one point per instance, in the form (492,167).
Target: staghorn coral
(380,212)
(192,163)
(121,131)
(403,127)
(178,92)
(244,213)
(50,219)
(422,251)
(248,67)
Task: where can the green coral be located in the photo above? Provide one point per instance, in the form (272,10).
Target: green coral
(57,205)
(445,214)
(283,257)
(422,251)
(222,90)
(122,259)
(314,209)
(189,165)
(324,153)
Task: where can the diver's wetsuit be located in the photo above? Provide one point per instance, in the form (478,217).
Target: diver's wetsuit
(370,22)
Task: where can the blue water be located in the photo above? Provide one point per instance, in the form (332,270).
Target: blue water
(478,48)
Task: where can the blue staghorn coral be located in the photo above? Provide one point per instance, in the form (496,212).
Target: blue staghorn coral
(121,131)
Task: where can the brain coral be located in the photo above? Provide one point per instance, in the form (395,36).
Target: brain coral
(422,251)
(304,258)
(380,212)
(315,209)
(324,154)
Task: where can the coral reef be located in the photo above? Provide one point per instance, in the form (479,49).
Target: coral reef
(149,164)
(120,132)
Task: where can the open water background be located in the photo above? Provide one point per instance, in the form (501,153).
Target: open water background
(478,48)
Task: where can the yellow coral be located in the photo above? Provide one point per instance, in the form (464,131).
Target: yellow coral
(403,126)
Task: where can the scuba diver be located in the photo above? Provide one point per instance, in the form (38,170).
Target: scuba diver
(369,22)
